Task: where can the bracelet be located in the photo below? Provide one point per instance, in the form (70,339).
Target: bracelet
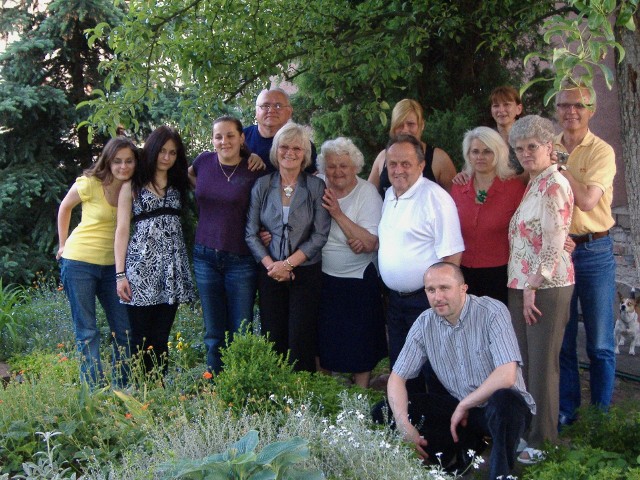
(120,275)
(119,279)
(288,264)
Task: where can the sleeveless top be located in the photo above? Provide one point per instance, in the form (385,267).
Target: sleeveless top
(427,172)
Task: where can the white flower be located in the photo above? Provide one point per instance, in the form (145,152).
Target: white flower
(471,453)
(272,397)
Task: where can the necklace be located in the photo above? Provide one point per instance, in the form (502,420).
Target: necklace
(225,173)
(288,190)
(481,196)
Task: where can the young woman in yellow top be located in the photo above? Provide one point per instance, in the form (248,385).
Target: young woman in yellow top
(87,262)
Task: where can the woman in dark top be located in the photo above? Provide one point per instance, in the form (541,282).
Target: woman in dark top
(225,270)
(407,118)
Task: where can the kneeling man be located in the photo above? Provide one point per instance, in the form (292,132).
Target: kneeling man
(473,351)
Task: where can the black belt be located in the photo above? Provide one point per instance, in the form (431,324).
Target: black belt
(408,294)
(588,237)
(156,213)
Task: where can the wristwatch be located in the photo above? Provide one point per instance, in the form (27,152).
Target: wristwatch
(529,286)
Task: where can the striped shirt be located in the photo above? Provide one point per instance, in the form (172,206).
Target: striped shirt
(465,354)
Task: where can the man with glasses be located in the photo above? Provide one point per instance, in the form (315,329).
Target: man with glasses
(590,169)
(273,111)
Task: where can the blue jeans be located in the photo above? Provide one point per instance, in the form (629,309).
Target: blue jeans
(227,286)
(595,289)
(83,282)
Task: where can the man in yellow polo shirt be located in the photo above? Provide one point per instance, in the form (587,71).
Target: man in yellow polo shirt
(590,170)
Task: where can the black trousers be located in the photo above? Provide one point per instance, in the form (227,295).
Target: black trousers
(150,329)
(289,313)
(504,418)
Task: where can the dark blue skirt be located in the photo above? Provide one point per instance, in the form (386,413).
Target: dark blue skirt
(351,330)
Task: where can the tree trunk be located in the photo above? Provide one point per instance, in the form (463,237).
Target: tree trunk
(628,78)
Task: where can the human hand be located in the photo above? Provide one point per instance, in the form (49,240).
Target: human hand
(265,237)
(356,246)
(529,308)
(459,417)
(59,252)
(569,245)
(330,203)
(411,434)
(461,178)
(123,289)
(256,163)
(279,272)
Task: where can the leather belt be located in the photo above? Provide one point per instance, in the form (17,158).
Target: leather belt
(588,237)
(408,294)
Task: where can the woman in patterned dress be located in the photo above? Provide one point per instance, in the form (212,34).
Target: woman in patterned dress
(541,274)
(154,276)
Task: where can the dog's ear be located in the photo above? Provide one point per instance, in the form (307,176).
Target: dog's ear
(620,297)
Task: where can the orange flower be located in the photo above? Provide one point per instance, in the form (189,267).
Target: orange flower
(63,359)
(128,415)
(182,398)
(60,288)
(61,345)
(207,375)
(150,347)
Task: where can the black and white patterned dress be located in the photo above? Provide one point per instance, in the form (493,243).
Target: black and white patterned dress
(157,265)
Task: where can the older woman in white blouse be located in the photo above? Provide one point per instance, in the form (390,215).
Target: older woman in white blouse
(351,334)
(540,274)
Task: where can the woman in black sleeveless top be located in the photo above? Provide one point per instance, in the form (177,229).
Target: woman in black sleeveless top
(408,118)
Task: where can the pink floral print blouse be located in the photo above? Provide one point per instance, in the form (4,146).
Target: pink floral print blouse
(538,230)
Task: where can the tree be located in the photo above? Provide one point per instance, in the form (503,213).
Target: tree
(213,53)
(44,74)
(577,46)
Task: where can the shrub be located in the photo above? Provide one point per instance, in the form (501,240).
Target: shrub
(276,461)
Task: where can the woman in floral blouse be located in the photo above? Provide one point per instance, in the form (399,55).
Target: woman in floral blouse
(540,272)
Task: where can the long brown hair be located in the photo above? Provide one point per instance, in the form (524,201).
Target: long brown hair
(101,169)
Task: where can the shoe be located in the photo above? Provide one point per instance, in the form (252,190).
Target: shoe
(565,421)
(530,456)
(522,444)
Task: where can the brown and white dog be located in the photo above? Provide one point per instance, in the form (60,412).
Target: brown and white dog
(627,324)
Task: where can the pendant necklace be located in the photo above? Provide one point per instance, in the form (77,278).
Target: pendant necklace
(288,190)
(481,196)
(225,173)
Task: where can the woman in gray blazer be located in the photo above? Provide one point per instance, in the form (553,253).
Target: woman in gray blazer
(288,205)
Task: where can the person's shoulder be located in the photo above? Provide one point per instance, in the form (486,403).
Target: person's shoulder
(203,157)
(597,144)
(250,129)
(314,182)
(367,188)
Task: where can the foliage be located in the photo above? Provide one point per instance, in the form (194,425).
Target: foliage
(367,54)
(94,426)
(583,42)
(46,70)
(603,446)
(11,297)
(276,461)
(46,467)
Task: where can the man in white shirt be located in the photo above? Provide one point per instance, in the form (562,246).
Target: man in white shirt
(419,227)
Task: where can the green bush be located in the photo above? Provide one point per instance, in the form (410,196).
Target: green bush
(275,462)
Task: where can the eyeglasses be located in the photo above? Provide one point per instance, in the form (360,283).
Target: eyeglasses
(287,148)
(577,106)
(265,107)
(532,147)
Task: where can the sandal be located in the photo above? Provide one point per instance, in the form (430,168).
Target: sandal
(530,456)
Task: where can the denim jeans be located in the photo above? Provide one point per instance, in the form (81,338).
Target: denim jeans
(227,285)
(595,289)
(505,417)
(83,282)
